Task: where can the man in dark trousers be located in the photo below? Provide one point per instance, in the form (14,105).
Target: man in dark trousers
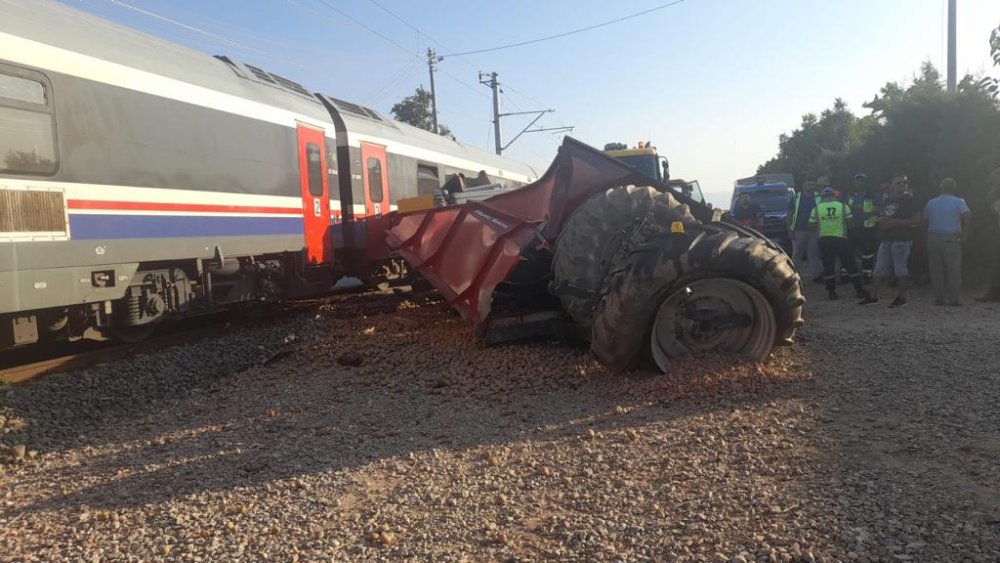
(832,216)
(865,203)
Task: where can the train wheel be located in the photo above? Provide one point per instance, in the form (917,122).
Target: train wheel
(130,334)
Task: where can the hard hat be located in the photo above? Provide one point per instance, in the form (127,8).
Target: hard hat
(860,176)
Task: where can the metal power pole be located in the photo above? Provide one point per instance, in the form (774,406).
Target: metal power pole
(952,70)
(494,83)
(432,59)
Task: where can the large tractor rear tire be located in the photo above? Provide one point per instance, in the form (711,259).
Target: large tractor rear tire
(707,291)
(597,238)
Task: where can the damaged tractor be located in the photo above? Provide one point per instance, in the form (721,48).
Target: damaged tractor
(597,251)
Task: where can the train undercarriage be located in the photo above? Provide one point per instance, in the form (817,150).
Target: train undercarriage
(162,292)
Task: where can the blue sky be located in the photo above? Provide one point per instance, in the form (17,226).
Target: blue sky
(711,82)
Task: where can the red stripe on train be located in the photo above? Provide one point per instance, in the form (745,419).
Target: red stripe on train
(196,207)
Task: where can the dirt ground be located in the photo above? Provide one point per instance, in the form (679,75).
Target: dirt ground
(875,438)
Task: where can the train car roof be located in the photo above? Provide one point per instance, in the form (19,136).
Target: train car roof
(54,24)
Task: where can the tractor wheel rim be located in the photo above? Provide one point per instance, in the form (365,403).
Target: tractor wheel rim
(675,335)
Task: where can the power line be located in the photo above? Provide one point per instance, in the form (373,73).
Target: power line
(393,14)
(187,27)
(565,33)
(208,34)
(369,29)
(449,53)
(387,39)
(398,77)
(401,47)
(462,82)
(226,27)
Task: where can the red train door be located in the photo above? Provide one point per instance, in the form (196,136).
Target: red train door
(375,176)
(315,195)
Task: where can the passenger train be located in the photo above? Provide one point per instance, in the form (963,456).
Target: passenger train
(141,180)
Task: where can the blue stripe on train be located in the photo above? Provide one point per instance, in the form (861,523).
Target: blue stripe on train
(83,227)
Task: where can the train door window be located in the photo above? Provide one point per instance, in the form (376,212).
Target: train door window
(427,179)
(375,180)
(27,142)
(314,164)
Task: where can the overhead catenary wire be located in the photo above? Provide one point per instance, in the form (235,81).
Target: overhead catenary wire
(390,81)
(214,36)
(211,24)
(378,92)
(361,24)
(393,14)
(571,32)
(190,28)
(449,53)
(380,36)
(410,71)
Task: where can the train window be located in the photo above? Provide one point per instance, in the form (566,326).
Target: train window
(22,89)
(427,179)
(314,164)
(27,132)
(375,180)
(27,144)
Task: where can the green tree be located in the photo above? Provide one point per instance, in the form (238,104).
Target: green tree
(820,144)
(995,46)
(917,128)
(416,110)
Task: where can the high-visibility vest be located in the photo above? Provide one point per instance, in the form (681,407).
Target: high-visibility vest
(798,198)
(832,217)
(868,207)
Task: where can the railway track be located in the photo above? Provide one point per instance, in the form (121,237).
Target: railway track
(25,372)
(343,303)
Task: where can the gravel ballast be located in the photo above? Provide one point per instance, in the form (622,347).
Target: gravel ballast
(398,437)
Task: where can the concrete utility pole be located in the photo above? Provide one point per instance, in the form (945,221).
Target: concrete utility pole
(494,84)
(432,59)
(952,71)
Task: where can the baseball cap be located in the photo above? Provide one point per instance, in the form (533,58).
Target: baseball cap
(828,191)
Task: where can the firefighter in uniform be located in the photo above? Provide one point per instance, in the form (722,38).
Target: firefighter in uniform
(861,231)
(832,216)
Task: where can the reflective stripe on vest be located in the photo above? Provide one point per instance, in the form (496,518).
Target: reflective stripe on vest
(832,217)
(798,198)
(867,207)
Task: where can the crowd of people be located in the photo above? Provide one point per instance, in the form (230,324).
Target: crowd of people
(868,236)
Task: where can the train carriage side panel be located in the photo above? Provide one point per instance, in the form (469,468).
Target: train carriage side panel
(136,170)
(162,156)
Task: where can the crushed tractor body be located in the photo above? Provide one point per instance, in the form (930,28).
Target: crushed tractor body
(543,259)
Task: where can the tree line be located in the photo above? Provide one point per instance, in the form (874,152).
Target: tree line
(918,129)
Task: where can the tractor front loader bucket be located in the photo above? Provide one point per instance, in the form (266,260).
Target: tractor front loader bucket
(465,251)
